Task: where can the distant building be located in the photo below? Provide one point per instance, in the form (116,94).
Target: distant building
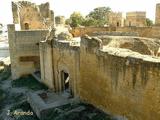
(116,19)
(137,19)
(157,19)
(31,16)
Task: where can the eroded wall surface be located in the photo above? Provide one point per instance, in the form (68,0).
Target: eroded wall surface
(120,81)
(57,57)
(46,64)
(115,80)
(66,58)
(24,50)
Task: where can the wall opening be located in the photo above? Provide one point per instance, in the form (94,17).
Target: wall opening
(130,23)
(26,26)
(117,24)
(65,81)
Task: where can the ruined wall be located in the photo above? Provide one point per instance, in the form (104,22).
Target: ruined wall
(24,50)
(150,32)
(137,19)
(66,58)
(76,32)
(32,16)
(115,80)
(119,81)
(46,64)
(58,56)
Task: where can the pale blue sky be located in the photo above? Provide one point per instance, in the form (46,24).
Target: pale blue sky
(66,7)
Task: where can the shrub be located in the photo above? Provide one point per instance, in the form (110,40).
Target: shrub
(30,82)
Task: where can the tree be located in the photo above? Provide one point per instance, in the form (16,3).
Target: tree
(99,15)
(149,22)
(76,19)
(89,22)
(67,22)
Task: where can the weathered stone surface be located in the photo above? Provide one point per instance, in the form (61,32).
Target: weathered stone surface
(24,44)
(114,79)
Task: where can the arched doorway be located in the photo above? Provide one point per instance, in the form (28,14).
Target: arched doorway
(118,24)
(26,26)
(65,80)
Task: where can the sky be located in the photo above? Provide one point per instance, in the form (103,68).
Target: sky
(66,7)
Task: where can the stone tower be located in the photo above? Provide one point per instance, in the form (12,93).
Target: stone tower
(157,20)
(60,20)
(31,16)
(136,18)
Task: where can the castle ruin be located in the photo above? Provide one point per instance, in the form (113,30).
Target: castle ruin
(114,69)
(31,16)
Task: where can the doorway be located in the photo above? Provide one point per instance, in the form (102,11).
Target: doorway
(26,26)
(65,81)
(118,24)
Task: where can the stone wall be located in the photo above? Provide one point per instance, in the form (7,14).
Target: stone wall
(76,32)
(115,80)
(46,64)
(119,81)
(24,50)
(57,57)
(150,32)
(66,58)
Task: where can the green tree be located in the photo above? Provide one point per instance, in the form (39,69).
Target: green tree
(99,16)
(76,19)
(149,22)
(67,21)
(89,22)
